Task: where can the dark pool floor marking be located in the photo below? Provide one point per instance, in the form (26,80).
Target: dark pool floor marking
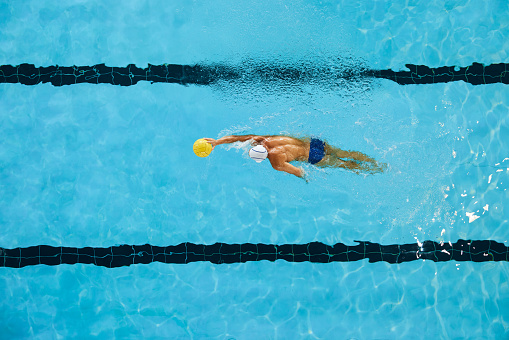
(28,74)
(219,253)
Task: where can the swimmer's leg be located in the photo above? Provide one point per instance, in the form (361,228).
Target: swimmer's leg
(334,162)
(351,160)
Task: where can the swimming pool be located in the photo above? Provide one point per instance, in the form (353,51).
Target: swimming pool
(97,166)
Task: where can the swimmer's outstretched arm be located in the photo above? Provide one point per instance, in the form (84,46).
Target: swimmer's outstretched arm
(233,139)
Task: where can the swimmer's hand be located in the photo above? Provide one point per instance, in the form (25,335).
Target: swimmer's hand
(303,174)
(212,142)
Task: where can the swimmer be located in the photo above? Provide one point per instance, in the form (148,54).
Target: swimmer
(281,150)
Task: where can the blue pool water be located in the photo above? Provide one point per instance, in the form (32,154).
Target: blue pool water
(96,165)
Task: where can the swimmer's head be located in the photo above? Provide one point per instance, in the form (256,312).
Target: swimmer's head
(258,153)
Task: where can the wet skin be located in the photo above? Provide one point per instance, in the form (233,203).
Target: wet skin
(283,149)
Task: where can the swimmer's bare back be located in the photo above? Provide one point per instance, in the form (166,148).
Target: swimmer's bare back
(283,149)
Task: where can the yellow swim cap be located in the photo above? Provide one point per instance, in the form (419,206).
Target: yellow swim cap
(202,148)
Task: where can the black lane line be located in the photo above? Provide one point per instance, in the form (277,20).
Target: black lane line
(219,253)
(475,74)
(28,74)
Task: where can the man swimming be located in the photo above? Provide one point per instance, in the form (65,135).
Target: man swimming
(281,150)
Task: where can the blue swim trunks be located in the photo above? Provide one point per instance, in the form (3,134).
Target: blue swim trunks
(316,150)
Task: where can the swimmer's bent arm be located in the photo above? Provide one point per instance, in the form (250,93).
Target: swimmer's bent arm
(279,164)
(291,169)
(233,139)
